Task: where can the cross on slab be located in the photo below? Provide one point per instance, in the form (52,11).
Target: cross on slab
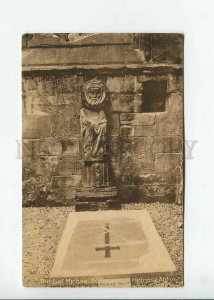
(107,248)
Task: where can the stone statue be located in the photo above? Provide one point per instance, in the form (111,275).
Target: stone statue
(96,190)
(93,121)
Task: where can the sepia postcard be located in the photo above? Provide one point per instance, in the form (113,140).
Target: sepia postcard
(102,159)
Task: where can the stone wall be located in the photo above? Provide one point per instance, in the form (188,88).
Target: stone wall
(146,147)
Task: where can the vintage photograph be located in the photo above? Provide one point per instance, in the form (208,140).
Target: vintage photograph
(102,159)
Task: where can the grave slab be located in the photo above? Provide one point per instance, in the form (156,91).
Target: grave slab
(111,243)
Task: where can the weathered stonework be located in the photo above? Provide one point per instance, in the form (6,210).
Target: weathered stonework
(168,162)
(122,84)
(122,102)
(143,130)
(138,119)
(46,147)
(174,102)
(114,126)
(146,149)
(69,165)
(169,124)
(36,126)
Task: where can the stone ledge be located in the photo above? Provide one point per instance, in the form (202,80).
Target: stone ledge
(137,119)
(145,77)
(96,193)
(98,205)
(152,68)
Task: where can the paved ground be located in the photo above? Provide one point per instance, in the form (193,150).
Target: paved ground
(43,227)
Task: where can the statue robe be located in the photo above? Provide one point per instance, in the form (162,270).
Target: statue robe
(93,132)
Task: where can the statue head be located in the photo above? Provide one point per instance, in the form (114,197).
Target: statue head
(95,92)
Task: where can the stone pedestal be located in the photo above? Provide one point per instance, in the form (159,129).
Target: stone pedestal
(96,191)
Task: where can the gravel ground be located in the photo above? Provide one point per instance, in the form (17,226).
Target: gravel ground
(43,227)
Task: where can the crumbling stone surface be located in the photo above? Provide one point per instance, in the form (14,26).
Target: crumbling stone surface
(146,149)
(169,124)
(138,119)
(122,102)
(122,84)
(36,126)
(167,162)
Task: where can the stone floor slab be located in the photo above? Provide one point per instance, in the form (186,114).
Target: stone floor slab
(110,243)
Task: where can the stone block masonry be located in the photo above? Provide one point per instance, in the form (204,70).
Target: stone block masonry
(146,148)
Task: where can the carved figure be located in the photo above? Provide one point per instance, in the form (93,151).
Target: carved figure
(93,121)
